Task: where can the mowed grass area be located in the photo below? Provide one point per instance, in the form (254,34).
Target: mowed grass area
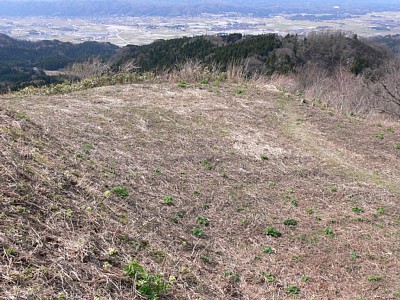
(228,191)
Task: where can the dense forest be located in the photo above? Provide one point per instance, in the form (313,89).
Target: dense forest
(22,62)
(264,54)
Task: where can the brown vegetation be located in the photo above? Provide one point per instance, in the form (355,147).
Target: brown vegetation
(233,159)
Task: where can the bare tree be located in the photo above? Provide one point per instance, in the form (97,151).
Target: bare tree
(384,86)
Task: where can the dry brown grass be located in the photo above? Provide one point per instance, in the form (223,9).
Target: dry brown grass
(61,154)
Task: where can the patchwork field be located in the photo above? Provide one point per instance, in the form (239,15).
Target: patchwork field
(144,30)
(227,191)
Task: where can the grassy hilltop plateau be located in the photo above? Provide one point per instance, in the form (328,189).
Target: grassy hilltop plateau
(252,168)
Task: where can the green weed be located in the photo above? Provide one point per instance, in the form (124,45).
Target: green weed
(233,277)
(271,231)
(120,191)
(290,222)
(268,250)
(203,220)
(196,193)
(354,256)
(357,210)
(168,200)
(182,84)
(148,285)
(206,259)
(292,290)
(268,277)
(207,164)
(305,278)
(332,188)
(196,231)
(374,278)
(10,251)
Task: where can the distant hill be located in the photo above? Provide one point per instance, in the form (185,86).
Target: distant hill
(391,41)
(266,54)
(51,55)
(22,61)
(76,8)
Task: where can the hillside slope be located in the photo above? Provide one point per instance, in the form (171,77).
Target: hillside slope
(187,182)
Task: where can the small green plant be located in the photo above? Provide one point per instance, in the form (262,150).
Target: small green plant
(244,222)
(271,184)
(233,277)
(353,256)
(310,211)
(357,210)
(206,259)
(397,147)
(329,231)
(271,231)
(182,84)
(207,164)
(294,202)
(397,293)
(148,285)
(238,91)
(168,200)
(10,251)
(332,188)
(120,191)
(297,257)
(203,220)
(390,129)
(380,210)
(264,157)
(290,222)
(268,277)
(305,278)
(268,250)
(292,290)
(196,193)
(196,231)
(157,170)
(374,278)
(112,251)
(379,136)
(69,213)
